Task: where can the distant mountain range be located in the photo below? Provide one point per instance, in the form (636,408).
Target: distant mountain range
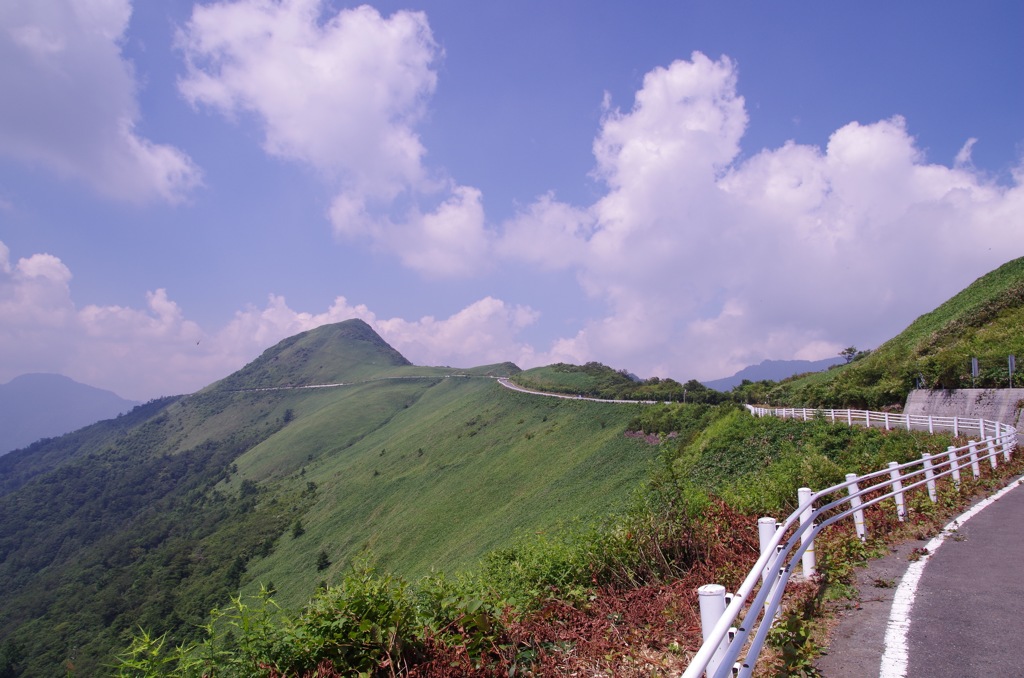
(35,406)
(775,370)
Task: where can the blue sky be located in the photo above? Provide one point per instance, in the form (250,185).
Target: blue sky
(679,190)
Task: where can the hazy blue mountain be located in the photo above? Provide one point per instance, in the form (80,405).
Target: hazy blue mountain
(774,370)
(35,406)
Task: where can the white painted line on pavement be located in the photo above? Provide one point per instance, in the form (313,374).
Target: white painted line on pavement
(894,659)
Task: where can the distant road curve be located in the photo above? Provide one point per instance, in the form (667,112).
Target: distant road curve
(504,381)
(509,385)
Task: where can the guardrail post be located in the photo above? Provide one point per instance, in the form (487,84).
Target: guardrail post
(931,428)
(886,421)
(981,428)
(849,417)
(975,466)
(1006,447)
(897,484)
(867,419)
(766,528)
(712,607)
(804,495)
(858,514)
(929,476)
(990,449)
(907,416)
(956,427)
(954,466)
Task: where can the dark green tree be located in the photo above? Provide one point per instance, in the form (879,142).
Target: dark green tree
(233,578)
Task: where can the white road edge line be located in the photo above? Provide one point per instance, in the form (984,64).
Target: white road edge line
(894,659)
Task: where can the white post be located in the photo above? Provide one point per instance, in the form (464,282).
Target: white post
(929,476)
(908,421)
(931,428)
(766,528)
(956,427)
(867,419)
(953,465)
(712,607)
(858,514)
(990,448)
(806,523)
(981,429)
(805,414)
(1006,448)
(897,484)
(975,466)
(849,417)
(886,421)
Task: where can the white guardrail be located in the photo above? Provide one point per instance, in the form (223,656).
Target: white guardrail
(726,635)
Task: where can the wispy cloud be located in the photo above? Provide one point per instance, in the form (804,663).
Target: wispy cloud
(342,93)
(69,101)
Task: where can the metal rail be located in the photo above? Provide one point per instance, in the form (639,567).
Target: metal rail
(744,622)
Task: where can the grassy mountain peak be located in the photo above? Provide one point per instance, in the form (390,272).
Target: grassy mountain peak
(345,351)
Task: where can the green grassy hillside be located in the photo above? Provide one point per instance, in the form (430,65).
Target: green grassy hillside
(455,473)
(594,380)
(982,321)
(157,517)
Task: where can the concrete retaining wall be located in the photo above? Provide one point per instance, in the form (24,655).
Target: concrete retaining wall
(994,404)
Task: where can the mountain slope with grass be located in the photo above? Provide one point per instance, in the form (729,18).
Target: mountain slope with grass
(154,518)
(982,321)
(332,460)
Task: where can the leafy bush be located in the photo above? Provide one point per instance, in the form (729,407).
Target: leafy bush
(367,622)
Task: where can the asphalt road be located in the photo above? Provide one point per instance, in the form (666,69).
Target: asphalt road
(966,616)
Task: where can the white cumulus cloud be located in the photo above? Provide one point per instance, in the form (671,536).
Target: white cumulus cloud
(69,101)
(707,261)
(482,333)
(343,93)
